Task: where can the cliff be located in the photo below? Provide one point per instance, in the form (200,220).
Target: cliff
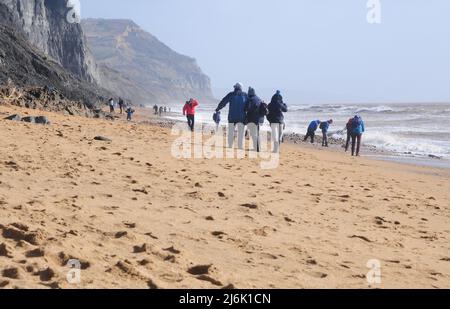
(23,65)
(137,65)
(46,26)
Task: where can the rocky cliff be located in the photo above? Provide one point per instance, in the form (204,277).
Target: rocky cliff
(137,65)
(23,65)
(47,27)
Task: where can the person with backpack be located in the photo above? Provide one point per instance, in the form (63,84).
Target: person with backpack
(189,112)
(325,126)
(216,119)
(312,128)
(357,130)
(255,117)
(275,117)
(237,100)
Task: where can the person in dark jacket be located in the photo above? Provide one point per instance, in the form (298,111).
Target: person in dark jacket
(255,117)
(357,128)
(348,128)
(325,126)
(312,128)
(236,115)
(121,105)
(275,117)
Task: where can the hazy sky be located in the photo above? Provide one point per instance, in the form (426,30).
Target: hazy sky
(315,51)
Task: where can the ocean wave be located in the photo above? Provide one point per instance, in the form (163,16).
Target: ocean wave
(416,146)
(375,109)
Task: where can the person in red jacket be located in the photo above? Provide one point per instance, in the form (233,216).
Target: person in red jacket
(189,112)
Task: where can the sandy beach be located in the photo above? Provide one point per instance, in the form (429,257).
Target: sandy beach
(135,217)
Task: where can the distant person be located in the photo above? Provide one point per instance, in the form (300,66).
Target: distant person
(189,112)
(121,105)
(348,128)
(255,117)
(312,128)
(275,117)
(236,115)
(130,111)
(165,109)
(217,118)
(155,109)
(325,126)
(111,105)
(160,111)
(357,130)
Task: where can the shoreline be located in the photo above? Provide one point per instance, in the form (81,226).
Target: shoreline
(336,145)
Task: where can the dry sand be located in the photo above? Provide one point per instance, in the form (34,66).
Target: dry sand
(137,218)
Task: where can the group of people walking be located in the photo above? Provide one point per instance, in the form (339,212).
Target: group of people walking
(159,110)
(124,107)
(247,109)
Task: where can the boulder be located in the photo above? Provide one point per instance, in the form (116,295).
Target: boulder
(14,118)
(102,139)
(29,119)
(42,120)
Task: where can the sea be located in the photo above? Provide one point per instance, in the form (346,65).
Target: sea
(407,130)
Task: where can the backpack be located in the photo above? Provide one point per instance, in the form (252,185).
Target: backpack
(356,123)
(216,117)
(263,109)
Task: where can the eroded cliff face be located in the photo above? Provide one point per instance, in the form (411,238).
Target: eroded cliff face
(23,66)
(143,68)
(46,26)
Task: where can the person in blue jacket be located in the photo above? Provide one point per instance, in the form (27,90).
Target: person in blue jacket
(357,128)
(325,126)
(236,115)
(312,128)
(275,117)
(255,117)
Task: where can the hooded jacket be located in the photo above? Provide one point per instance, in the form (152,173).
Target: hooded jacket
(189,109)
(237,100)
(253,108)
(276,109)
(314,125)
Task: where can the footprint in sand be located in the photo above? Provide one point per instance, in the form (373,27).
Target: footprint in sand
(219,234)
(120,234)
(172,250)
(5,251)
(250,205)
(200,270)
(140,249)
(36,253)
(130,225)
(317,274)
(11,273)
